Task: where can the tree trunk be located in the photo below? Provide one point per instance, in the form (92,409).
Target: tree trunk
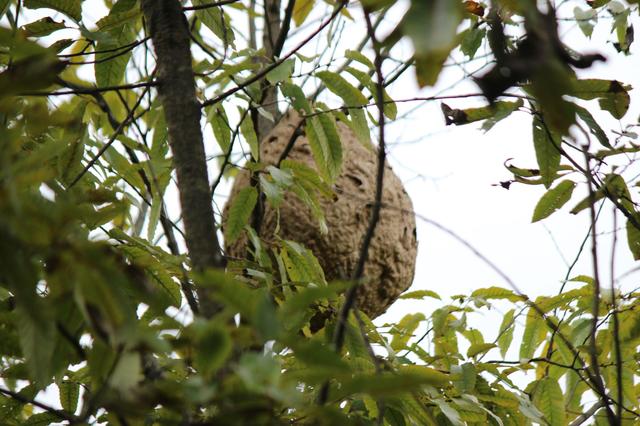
(170,35)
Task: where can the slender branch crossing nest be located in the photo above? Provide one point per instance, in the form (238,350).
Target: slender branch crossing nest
(391,258)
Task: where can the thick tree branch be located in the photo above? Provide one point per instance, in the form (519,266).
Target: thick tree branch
(176,87)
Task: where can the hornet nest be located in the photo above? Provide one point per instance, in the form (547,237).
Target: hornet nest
(391,258)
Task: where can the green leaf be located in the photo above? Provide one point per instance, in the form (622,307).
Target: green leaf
(292,311)
(505,334)
(69,392)
(71,8)
(273,192)
(553,200)
(37,340)
(281,72)
(212,346)
(301,10)
(125,169)
(296,95)
(467,377)
(449,412)
(547,147)
(333,151)
(111,64)
(349,94)
(389,107)
(593,125)
(233,293)
(41,419)
(319,146)
(317,355)
(266,320)
(360,127)
(432,27)
(249,134)
(534,332)
(612,95)
(239,213)
(616,101)
(472,40)
(116,20)
(358,56)
(586,19)
(217,117)
(407,379)
(302,266)
(615,187)
(127,372)
(420,294)
(42,27)
(217,21)
(633,236)
(548,398)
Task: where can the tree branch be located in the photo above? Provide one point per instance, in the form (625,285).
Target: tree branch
(257,76)
(593,347)
(61,414)
(209,5)
(170,35)
(350,298)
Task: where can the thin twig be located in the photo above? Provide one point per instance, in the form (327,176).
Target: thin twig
(284,29)
(61,414)
(106,146)
(78,90)
(593,347)
(350,298)
(259,75)
(209,5)
(616,323)
(587,414)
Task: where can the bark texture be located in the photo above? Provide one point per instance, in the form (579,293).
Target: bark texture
(270,33)
(391,257)
(170,35)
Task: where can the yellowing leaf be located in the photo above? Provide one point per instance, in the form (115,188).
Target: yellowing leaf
(403,330)
(420,294)
(301,10)
(496,293)
(479,348)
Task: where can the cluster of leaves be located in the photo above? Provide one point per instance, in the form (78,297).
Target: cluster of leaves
(92,305)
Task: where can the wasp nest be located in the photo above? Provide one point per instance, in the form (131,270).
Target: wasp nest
(392,255)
